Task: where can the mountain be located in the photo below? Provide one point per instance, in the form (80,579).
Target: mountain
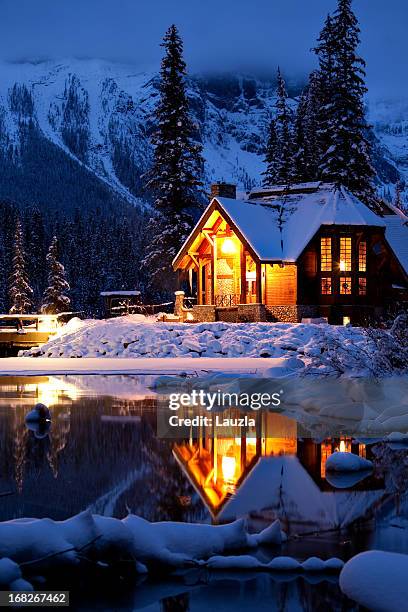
(77,133)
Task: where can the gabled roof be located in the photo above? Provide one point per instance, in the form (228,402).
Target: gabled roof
(279,228)
(278,225)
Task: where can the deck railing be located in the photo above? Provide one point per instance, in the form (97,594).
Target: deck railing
(228,300)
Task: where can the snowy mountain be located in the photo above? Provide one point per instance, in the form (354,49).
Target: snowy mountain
(77,132)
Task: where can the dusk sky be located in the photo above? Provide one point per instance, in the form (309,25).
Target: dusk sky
(218,34)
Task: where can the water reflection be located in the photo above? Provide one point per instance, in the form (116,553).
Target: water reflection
(101,451)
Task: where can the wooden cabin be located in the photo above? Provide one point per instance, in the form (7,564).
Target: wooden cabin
(287,254)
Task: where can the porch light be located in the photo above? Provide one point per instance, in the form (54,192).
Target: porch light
(228,247)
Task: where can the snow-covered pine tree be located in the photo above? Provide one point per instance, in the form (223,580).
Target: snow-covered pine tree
(271,173)
(20,292)
(324,77)
(175,178)
(299,140)
(55,299)
(279,152)
(346,161)
(398,199)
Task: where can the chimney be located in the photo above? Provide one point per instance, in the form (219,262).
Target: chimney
(224,190)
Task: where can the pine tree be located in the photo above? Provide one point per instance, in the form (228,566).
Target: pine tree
(271,157)
(55,299)
(175,178)
(346,159)
(398,201)
(20,291)
(324,84)
(279,152)
(300,152)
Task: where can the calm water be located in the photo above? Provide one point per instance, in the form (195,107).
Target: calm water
(102,452)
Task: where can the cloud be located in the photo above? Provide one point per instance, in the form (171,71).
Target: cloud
(218,34)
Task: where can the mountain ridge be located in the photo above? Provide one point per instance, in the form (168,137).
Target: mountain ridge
(91,120)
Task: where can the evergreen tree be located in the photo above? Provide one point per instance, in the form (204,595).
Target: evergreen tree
(300,140)
(279,153)
(271,157)
(398,201)
(20,290)
(55,299)
(346,154)
(177,167)
(324,85)
(36,249)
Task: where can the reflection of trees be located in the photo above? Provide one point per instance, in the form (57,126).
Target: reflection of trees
(60,429)
(20,446)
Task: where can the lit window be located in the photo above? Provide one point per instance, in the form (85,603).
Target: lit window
(345,285)
(325,255)
(345,254)
(362,286)
(326,285)
(362,257)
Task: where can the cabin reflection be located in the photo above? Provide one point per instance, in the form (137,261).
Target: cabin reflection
(217,466)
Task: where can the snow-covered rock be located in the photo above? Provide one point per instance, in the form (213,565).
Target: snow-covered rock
(9,571)
(377,580)
(301,347)
(347,462)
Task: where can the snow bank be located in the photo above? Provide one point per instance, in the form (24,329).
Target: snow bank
(324,349)
(33,547)
(377,580)
(347,462)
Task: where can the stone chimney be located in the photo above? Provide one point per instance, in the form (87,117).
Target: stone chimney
(224,190)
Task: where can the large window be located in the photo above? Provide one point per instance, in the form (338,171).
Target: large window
(326,254)
(345,285)
(362,256)
(345,254)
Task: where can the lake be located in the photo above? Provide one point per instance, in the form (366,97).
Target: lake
(102,452)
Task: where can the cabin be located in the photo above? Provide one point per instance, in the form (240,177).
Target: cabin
(291,254)
(243,474)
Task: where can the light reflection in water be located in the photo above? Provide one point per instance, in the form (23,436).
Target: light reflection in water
(101,451)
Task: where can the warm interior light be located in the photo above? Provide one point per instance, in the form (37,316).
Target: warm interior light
(342,446)
(342,265)
(346,321)
(228,468)
(228,247)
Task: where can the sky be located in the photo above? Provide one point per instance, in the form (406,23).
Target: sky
(247,35)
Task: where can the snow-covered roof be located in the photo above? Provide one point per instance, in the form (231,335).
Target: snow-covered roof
(396,234)
(279,223)
(279,228)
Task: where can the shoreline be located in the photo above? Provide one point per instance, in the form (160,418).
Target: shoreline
(34,366)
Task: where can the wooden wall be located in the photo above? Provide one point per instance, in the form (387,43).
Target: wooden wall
(280,284)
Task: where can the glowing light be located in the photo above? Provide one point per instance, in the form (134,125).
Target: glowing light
(342,265)
(342,446)
(346,321)
(47,324)
(228,247)
(51,391)
(251,441)
(228,466)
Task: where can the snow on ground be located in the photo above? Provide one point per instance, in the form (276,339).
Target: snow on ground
(347,462)
(138,337)
(33,547)
(20,366)
(36,546)
(377,580)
